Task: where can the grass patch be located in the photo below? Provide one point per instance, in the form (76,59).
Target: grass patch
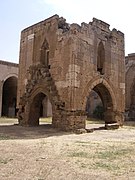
(4,137)
(116,158)
(106,165)
(47,120)
(94,121)
(8,120)
(80,154)
(114,154)
(5,161)
(81,142)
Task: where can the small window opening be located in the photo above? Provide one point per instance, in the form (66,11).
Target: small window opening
(100,58)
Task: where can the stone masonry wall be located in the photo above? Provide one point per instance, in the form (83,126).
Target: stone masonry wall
(73,53)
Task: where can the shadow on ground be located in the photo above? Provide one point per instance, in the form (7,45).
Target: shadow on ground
(14,131)
(18,132)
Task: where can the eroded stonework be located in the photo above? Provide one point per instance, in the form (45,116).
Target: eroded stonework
(65,62)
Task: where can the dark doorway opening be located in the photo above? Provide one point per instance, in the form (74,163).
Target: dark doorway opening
(99,105)
(9,97)
(40,110)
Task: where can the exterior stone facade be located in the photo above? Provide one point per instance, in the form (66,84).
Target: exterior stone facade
(65,62)
(8,88)
(130,86)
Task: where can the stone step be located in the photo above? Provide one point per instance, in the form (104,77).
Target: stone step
(111,126)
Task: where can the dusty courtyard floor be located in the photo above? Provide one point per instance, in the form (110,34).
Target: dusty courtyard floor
(42,153)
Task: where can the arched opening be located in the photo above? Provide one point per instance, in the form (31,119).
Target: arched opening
(132,104)
(94,106)
(45,54)
(101,96)
(100,58)
(9,97)
(46,111)
(40,110)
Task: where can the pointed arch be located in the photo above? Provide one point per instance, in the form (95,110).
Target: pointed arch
(9,96)
(100,58)
(44,59)
(107,96)
(107,88)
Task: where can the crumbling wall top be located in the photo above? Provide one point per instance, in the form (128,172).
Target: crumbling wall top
(41,23)
(74,28)
(100,24)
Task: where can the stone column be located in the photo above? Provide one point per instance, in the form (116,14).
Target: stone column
(109,116)
(69,120)
(1,86)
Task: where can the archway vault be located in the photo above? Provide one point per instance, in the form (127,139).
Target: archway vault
(40,84)
(92,84)
(106,93)
(9,96)
(41,88)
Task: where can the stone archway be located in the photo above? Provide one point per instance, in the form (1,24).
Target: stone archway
(9,97)
(107,102)
(106,93)
(36,109)
(39,85)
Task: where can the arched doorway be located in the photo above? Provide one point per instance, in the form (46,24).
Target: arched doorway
(94,106)
(9,97)
(104,91)
(40,107)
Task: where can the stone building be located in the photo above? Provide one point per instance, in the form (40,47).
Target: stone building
(8,88)
(130,86)
(64,63)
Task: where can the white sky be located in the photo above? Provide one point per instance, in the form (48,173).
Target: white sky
(15,15)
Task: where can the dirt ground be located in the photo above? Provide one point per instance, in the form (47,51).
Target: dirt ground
(43,153)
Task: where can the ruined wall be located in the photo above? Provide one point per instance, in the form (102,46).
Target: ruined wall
(81,57)
(83,64)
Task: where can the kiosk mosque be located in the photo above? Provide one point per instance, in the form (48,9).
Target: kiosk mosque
(65,71)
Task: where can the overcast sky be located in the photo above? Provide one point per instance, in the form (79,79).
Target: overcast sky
(15,15)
